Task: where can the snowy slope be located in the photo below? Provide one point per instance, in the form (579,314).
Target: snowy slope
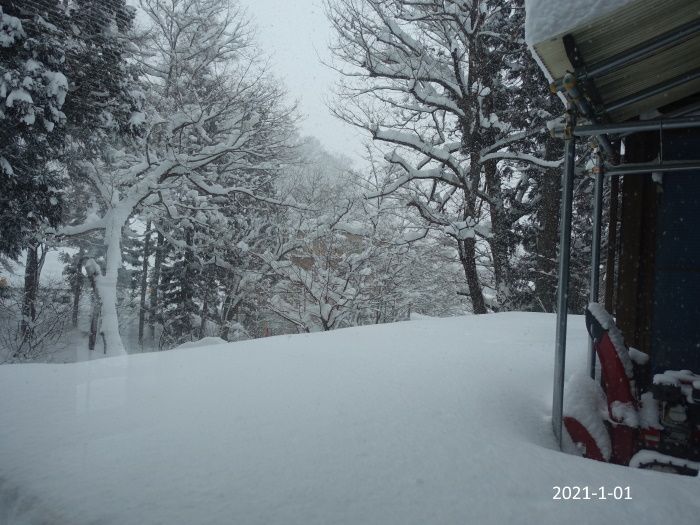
(432,421)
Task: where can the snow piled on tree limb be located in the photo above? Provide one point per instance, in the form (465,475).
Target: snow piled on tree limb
(522,157)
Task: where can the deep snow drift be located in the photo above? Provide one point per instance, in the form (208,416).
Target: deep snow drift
(432,421)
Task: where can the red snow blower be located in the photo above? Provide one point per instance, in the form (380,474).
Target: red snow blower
(651,424)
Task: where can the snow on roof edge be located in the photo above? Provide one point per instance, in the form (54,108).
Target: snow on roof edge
(546,72)
(545,19)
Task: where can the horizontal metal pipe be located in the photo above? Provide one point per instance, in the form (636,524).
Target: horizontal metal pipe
(640,125)
(651,167)
(653,90)
(641,51)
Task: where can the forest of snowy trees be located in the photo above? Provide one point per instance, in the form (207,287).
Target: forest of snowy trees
(150,145)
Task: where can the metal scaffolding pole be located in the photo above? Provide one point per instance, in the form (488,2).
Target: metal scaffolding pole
(649,167)
(563,288)
(637,126)
(595,249)
(569,85)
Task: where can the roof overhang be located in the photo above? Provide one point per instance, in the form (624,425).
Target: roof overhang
(626,63)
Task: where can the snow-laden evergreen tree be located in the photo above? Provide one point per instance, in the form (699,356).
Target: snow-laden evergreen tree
(64,83)
(33,88)
(179,280)
(64,88)
(195,235)
(72,273)
(254,228)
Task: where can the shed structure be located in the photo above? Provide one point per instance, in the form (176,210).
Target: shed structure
(629,74)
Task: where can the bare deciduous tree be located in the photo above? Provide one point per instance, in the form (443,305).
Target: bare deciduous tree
(436,84)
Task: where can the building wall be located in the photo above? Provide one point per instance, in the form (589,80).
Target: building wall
(675,340)
(658,287)
(638,211)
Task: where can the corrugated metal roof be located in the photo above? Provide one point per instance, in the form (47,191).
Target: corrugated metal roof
(621,30)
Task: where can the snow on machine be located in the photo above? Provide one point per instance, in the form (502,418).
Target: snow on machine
(650,424)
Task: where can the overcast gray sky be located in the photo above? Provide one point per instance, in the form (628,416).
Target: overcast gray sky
(295,33)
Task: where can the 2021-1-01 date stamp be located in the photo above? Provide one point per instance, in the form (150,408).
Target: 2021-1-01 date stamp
(586,493)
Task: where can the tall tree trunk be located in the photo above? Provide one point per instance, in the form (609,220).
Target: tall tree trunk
(31,288)
(207,287)
(467,256)
(95,313)
(107,283)
(203,318)
(77,292)
(230,305)
(499,238)
(144,281)
(187,285)
(472,142)
(548,235)
(228,313)
(155,284)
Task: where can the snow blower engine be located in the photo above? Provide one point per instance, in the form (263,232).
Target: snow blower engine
(673,425)
(649,424)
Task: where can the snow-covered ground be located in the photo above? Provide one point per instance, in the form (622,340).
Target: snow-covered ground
(430,421)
